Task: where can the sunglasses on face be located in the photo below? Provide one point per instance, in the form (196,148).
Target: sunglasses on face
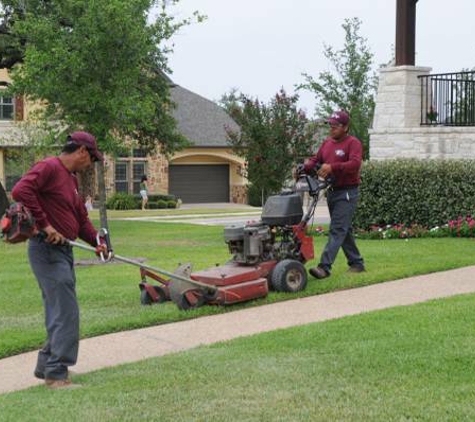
(91,155)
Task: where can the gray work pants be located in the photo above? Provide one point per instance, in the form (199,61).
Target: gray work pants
(342,206)
(53,266)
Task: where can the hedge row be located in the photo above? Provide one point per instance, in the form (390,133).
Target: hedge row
(410,191)
(124,201)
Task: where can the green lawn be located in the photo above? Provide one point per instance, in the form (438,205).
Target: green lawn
(109,295)
(402,364)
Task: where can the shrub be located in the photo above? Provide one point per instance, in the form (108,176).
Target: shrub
(171,204)
(152,198)
(158,197)
(161,203)
(408,191)
(121,201)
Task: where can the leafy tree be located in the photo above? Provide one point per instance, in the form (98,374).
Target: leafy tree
(272,138)
(352,85)
(97,66)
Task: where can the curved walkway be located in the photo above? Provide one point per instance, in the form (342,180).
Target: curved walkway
(131,346)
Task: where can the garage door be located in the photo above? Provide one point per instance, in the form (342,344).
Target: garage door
(199,183)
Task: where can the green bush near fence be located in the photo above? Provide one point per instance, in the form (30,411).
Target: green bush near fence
(410,191)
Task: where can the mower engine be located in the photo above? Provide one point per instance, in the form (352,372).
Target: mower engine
(272,238)
(249,244)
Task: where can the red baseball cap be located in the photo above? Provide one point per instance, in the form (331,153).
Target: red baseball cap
(89,141)
(339,117)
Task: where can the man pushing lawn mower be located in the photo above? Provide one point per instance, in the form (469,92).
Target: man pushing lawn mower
(49,191)
(339,157)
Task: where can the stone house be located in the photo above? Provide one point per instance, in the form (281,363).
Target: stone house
(207,171)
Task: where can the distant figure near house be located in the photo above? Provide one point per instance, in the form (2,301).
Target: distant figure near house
(143,191)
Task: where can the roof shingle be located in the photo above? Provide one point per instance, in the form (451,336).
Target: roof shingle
(202,121)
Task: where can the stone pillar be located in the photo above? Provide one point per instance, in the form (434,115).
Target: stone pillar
(398,102)
(397,110)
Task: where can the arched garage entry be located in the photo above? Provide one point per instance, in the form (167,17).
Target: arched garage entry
(199,183)
(204,175)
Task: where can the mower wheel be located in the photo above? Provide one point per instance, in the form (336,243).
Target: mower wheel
(289,275)
(146,299)
(189,299)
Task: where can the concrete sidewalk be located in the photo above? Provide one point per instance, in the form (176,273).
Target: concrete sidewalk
(132,346)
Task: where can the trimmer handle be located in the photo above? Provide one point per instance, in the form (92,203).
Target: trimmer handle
(104,238)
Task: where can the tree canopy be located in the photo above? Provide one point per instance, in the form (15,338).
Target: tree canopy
(351,85)
(98,66)
(273,137)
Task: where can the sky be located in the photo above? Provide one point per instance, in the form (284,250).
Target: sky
(259,46)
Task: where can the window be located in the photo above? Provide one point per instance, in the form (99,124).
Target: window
(121,179)
(129,172)
(6,108)
(138,172)
(138,153)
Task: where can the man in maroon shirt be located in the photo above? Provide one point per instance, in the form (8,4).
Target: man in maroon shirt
(50,191)
(340,158)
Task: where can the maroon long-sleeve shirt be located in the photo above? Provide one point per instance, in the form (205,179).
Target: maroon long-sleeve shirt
(344,157)
(50,191)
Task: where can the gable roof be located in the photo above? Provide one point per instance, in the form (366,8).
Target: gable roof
(202,121)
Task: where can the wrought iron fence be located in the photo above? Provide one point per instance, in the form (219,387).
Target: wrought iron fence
(448,99)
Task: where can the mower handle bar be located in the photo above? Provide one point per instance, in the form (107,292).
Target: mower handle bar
(111,256)
(315,186)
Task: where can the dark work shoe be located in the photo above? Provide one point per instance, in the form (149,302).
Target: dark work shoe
(319,272)
(39,375)
(356,269)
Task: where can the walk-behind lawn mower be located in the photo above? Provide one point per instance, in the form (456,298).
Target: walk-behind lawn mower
(269,254)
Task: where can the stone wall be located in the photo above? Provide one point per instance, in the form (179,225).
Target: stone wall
(423,142)
(238,194)
(157,174)
(397,132)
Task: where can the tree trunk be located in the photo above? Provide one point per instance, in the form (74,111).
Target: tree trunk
(87,183)
(102,195)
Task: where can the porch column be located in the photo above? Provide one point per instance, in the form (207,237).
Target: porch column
(405,32)
(398,102)
(397,111)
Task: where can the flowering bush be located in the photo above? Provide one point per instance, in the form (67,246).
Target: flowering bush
(461,227)
(319,231)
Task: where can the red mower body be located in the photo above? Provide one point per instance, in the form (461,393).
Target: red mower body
(236,283)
